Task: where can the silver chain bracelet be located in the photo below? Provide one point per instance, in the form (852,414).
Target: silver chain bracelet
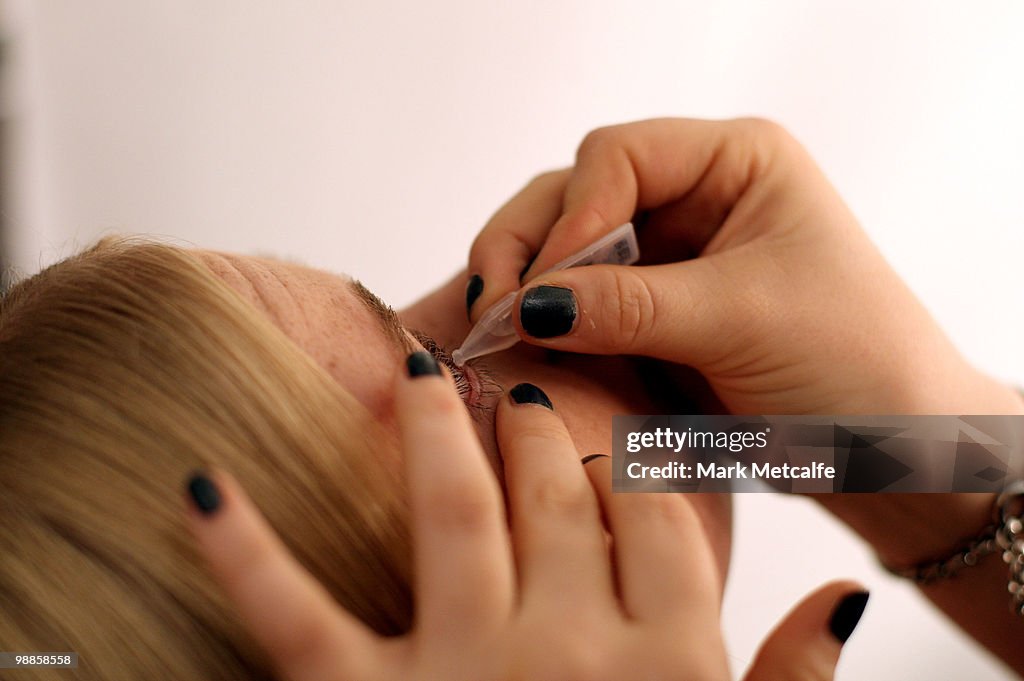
(1005,534)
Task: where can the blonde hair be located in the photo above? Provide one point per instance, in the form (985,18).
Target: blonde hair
(122,369)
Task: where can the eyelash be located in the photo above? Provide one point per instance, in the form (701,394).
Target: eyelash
(486,387)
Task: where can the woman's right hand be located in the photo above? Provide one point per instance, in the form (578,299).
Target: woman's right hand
(760,277)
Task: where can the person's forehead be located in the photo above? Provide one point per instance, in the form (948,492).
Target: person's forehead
(284,290)
(324,315)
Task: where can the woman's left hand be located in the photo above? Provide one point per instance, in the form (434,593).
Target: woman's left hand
(545,599)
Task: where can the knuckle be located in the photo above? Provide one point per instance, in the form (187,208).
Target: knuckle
(562,497)
(766,129)
(598,140)
(458,507)
(630,305)
(497,242)
(765,139)
(761,144)
(664,509)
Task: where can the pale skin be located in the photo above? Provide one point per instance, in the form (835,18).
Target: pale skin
(542,600)
(765,284)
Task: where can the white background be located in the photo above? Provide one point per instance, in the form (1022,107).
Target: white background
(377,137)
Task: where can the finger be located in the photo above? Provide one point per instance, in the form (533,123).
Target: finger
(510,240)
(692,312)
(303,631)
(559,539)
(463,556)
(807,643)
(664,564)
(625,169)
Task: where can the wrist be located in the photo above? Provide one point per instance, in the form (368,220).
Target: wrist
(908,529)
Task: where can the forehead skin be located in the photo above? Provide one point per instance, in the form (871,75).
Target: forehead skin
(319,312)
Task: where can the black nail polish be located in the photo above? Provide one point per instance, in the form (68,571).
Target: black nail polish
(204,493)
(847,614)
(473,290)
(548,311)
(587,459)
(422,364)
(528,393)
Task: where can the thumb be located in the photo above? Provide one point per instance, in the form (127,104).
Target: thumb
(807,643)
(688,312)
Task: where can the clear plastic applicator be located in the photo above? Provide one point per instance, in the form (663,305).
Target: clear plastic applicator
(495,331)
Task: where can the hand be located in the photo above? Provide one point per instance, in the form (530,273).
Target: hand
(544,600)
(759,276)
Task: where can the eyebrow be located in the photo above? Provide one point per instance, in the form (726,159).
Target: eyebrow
(385,315)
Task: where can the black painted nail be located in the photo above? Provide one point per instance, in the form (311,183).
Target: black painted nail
(204,493)
(422,364)
(847,615)
(548,311)
(473,290)
(528,393)
(587,459)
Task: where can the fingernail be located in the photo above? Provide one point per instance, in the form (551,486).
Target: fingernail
(204,493)
(587,459)
(528,393)
(548,311)
(473,290)
(422,364)
(847,615)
